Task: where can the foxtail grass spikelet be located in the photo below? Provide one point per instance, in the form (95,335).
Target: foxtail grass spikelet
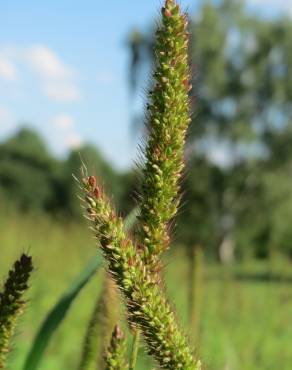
(12,302)
(147,307)
(167,121)
(115,358)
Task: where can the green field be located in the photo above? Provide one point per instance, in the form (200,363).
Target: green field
(246,309)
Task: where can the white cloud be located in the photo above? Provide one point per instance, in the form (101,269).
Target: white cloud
(7,70)
(57,79)
(62,91)
(73,141)
(47,63)
(63,121)
(63,134)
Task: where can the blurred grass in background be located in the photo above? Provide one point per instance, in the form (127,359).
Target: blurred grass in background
(246,308)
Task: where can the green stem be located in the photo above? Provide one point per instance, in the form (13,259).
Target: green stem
(135,348)
(195,289)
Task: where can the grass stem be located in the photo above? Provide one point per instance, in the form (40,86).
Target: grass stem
(134,352)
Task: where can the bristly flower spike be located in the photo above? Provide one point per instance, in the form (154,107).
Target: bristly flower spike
(168,119)
(131,267)
(12,302)
(148,309)
(116,353)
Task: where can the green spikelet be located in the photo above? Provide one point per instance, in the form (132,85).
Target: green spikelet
(97,337)
(147,308)
(168,120)
(116,353)
(12,302)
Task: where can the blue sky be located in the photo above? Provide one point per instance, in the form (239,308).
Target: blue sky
(63,69)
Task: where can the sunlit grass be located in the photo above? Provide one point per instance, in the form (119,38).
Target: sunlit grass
(246,311)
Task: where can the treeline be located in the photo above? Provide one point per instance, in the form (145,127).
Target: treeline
(31,179)
(243,210)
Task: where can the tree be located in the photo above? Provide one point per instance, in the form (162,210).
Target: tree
(97,164)
(32,179)
(28,174)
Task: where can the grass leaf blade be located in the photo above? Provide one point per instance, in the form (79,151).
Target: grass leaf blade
(57,315)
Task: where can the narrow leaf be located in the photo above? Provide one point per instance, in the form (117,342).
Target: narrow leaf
(57,315)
